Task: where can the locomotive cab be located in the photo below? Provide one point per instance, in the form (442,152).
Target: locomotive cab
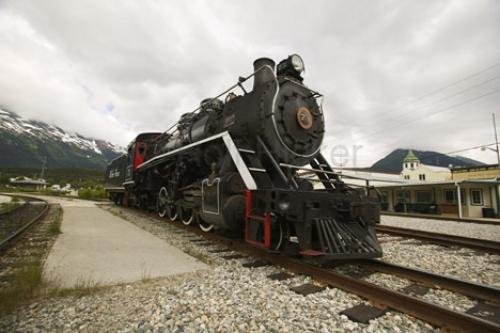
(138,152)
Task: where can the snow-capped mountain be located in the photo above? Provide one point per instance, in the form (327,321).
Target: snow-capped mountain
(26,143)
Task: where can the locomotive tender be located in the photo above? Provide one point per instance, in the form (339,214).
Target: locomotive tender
(246,166)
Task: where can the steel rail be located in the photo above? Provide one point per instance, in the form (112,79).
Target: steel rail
(6,241)
(474,290)
(431,313)
(443,239)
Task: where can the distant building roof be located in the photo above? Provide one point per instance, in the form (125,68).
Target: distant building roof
(410,157)
(436,168)
(27,181)
(475,168)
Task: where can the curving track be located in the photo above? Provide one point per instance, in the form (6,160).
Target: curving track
(15,221)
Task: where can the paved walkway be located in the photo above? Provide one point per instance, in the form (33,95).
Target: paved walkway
(99,247)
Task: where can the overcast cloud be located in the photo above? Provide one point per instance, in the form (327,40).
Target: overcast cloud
(111,69)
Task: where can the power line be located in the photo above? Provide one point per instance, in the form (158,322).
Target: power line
(470,148)
(446,87)
(440,100)
(450,96)
(432,114)
(429,130)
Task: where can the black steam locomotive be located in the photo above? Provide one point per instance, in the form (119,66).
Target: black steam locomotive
(250,166)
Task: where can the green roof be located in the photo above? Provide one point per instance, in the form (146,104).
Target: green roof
(410,157)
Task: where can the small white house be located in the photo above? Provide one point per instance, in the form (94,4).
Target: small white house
(28,183)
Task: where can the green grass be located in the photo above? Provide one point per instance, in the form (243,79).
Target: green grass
(54,193)
(54,228)
(92,193)
(83,287)
(145,275)
(25,283)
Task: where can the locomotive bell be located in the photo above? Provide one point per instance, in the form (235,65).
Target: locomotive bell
(264,75)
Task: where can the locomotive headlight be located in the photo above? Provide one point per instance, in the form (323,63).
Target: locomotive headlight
(292,66)
(297,63)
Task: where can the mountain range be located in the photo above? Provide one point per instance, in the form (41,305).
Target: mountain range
(28,143)
(393,162)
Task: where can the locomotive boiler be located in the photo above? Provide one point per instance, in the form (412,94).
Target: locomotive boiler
(250,166)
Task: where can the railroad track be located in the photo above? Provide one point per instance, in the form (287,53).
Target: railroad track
(381,297)
(15,222)
(432,280)
(443,239)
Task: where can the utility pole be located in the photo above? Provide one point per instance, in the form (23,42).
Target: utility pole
(496,139)
(498,165)
(44,162)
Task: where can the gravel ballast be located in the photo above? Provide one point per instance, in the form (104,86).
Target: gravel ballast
(464,229)
(460,263)
(226,298)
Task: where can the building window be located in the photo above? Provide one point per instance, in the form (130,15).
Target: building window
(407,176)
(384,197)
(450,196)
(421,177)
(476,197)
(411,165)
(424,196)
(406,165)
(403,196)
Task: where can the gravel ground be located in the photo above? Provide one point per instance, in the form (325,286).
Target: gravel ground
(226,298)
(465,229)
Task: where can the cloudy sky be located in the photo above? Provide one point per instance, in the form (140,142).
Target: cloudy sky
(413,74)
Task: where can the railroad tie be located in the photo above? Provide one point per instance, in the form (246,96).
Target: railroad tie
(363,313)
(415,290)
(307,288)
(256,264)
(486,311)
(280,276)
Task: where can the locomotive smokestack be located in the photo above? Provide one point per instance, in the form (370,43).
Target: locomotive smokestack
(264,74)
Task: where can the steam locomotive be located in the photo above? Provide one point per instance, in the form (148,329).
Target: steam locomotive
(250,166)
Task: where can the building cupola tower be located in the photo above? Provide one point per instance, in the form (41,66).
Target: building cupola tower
(411,161)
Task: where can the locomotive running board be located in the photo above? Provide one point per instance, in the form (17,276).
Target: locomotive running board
(231,148)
